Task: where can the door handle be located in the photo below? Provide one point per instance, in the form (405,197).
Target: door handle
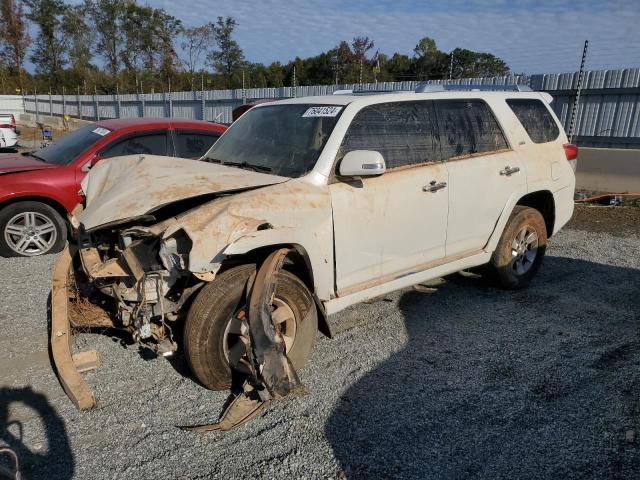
(434,186)
(509,170)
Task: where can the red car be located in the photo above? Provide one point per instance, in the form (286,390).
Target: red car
(38,189)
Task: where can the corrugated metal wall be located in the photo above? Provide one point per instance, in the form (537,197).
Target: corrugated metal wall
(608,113)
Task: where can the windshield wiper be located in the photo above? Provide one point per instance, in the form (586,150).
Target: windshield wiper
(257,168)
(31,154)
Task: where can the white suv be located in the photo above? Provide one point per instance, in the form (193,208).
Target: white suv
(369,193)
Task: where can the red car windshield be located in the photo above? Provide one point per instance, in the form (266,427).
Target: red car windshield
(69,147)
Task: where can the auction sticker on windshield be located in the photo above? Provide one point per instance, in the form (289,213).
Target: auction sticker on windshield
(101,131)
(326,111)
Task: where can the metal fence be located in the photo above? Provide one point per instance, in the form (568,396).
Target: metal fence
(608,113)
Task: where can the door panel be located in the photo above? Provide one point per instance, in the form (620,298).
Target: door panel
(483,171)
(388,225)
(478,192)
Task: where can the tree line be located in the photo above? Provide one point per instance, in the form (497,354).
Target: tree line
(110,46)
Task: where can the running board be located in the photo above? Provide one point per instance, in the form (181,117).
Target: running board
(75,387)
(340,303)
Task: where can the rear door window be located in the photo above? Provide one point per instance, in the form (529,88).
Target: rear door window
(535,118)
(194,144)
(404,133)
(139,144)
(468,127)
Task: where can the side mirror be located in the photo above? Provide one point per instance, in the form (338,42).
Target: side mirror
(362,163)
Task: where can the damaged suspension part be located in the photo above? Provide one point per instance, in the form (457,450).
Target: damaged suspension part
(272,373)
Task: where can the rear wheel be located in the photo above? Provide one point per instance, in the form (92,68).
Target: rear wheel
(29,229)
(520,250)
(217,331)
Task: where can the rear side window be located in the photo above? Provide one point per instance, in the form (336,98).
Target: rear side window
(152,144)
(536,119)
(194,144)
(403,132)
(467,127)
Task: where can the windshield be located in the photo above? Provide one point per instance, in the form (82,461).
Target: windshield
(284,140)
(67,149)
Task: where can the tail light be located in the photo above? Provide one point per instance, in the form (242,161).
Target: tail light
(571,152)
(6,125)
(13,121)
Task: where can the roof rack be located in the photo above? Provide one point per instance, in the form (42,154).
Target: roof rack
(424,87)
(367,92)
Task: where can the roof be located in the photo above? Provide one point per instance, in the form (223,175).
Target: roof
(377,97)
(121,123)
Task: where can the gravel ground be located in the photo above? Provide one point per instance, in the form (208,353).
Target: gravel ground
(464,382)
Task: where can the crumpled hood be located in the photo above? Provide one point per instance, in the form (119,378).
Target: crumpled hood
(22,163)
(120,188)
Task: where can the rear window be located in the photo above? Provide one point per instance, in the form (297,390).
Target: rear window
(468,127)
(536,119)
(153,144)
(194,144)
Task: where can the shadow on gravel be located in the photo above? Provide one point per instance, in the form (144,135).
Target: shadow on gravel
(54,460)
(539,383)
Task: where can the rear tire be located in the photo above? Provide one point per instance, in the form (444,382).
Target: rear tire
(520,251)
(29,229)
(206,332)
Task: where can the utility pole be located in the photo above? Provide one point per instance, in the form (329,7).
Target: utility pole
(118,99)
(244,93)
(451,65)
(202,95)
(294,82)
(574,110)
(95,97)
(360,72)
(79,103)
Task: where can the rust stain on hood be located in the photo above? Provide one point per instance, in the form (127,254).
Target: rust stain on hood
(131,186)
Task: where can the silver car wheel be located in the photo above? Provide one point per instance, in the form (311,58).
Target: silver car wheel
(30,233)
(524,250)
(236,334)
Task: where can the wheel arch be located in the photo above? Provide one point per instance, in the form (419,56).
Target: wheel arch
(543,201)
(298,262)
(56,205)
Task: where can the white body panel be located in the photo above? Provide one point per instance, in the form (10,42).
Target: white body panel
(387,224)
(8,138)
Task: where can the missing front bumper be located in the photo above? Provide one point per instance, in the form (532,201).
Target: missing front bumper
(74,385)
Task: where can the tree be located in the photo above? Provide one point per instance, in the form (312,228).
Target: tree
(49,56)
(361,45)
(195,42)
(14,36)
(80,38)
(107,18)
(429,61)
(228,57)
(467,63)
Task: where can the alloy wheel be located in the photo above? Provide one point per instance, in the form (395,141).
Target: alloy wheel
(30,233)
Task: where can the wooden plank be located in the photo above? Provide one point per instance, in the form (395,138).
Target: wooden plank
(85,361)
(76,388)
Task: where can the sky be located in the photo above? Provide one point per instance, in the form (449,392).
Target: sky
(531,36)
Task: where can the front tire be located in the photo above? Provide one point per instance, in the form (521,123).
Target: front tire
(520,251)
(216,324)
(29,229)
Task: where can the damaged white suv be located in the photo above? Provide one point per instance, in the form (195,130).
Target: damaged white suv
(364,194)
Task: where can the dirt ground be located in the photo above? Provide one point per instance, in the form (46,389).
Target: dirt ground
(619,221)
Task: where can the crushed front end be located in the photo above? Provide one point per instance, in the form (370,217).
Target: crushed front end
(140,280)
(128,279)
